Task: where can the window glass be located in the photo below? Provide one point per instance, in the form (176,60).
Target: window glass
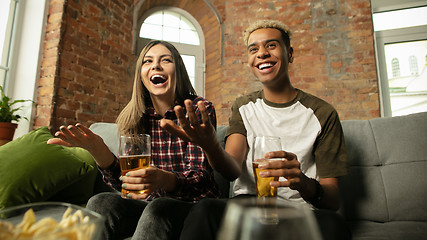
(171,19)
(401,35)
(170,34)
(169,26)
(189,37)
(407,84)
(190,66)
(7,15)
(155,18)
(400,18)
(4,16)
(151,31)
(185,24)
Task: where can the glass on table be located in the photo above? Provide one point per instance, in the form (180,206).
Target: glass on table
(281,222)
(254,218)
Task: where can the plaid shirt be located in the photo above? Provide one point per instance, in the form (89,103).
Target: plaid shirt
(185,159)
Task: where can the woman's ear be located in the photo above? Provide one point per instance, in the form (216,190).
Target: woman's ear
(291,52)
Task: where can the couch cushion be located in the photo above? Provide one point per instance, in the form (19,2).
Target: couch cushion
(396,230)
(388,158)
(223,184)
(33,171)
(402,149)
(362,189)
(109,133)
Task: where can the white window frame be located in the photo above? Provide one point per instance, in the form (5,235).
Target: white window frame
(385,37)
(8,43)
(388,37)
(184,49)
(25,58)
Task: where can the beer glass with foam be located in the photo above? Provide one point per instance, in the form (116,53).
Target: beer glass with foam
(134,154)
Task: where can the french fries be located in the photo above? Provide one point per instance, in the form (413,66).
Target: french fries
(71,227)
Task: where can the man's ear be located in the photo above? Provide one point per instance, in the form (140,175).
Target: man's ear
(291,52)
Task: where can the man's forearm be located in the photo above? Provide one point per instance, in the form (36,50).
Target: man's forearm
(223,162)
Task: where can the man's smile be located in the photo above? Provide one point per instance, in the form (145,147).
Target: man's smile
(265,65)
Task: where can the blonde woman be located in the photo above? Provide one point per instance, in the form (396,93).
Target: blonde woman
(180,170)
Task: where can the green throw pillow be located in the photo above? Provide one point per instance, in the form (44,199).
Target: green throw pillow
(81,190)
(32,171)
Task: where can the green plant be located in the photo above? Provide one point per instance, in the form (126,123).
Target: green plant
(7,112)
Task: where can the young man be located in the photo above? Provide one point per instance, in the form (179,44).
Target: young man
(310,129)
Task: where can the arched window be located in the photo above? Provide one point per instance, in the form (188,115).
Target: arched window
(183,31)
(413,65)
(395,68)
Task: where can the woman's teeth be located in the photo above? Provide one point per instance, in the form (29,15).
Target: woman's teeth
(158,79)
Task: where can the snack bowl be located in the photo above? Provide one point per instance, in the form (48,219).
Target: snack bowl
(51,220)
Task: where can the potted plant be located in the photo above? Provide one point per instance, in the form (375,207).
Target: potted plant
(7,115)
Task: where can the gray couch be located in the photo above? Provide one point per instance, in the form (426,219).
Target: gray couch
(384,196)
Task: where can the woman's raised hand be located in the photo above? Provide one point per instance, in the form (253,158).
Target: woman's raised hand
(81,136)
(190,128)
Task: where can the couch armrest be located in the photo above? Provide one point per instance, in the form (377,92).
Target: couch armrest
(109,133)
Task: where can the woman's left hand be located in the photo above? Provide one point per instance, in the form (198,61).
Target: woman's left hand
(150,179)
(190,130)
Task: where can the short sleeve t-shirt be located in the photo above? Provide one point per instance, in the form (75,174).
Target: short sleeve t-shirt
(307,126)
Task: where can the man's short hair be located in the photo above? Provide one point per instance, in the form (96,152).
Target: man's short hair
(285,31)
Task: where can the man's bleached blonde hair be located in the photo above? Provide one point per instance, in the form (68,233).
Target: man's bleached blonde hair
(286,32)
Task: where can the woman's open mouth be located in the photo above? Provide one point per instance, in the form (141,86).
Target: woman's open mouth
(158,79)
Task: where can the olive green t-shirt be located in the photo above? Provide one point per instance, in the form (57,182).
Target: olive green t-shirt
(307,126)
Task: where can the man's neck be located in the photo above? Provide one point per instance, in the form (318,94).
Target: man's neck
(284,95)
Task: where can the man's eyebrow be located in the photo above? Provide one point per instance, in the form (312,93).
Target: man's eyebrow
(265,42)
(272,40)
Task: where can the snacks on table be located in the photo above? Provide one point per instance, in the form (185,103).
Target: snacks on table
(71,227)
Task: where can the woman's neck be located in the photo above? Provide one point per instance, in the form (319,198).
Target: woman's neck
(161,105)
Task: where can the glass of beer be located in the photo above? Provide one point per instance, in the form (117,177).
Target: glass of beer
(134,154)
(261,146)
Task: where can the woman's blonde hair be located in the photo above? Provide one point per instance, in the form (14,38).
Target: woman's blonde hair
(130,119)
(286,32)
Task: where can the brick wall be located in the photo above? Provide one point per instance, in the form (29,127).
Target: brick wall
(333,50)
(88,66)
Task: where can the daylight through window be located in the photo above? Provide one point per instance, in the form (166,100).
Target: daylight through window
(169,26)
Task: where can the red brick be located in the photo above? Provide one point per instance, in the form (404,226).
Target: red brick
(332,52)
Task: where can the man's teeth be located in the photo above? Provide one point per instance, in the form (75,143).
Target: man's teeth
(264,65)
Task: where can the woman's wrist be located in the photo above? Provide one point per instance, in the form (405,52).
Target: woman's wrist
(170,181)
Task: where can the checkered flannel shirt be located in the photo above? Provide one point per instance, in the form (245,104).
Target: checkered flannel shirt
(185,159)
